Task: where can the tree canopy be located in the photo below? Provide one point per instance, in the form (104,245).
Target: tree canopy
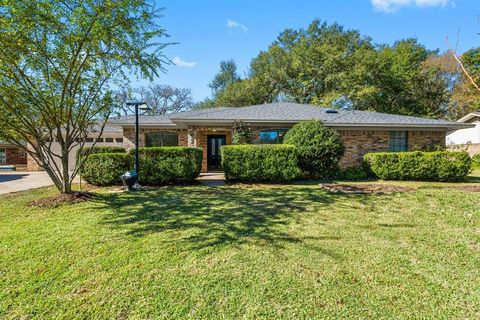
(161,98)
(327,65)
(225,77)
(58,62)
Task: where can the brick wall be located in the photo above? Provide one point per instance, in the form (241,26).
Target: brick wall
(129,136)
(359,142)
(421,139)
(15,156)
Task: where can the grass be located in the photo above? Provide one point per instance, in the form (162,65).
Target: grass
(243,252)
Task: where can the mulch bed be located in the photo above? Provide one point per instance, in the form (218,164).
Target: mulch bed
(468,188)
(59,199)
(364,188)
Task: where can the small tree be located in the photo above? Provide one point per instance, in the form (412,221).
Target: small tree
(241,133)
(58,62)
(319,148)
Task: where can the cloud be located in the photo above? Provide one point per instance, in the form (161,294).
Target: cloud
(395,5)
(182,63)
(236,25)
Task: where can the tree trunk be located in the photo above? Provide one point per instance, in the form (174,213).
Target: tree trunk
(66,184)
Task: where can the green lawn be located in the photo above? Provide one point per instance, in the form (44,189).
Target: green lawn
(243,252)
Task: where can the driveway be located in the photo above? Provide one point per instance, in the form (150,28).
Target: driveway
(20,181)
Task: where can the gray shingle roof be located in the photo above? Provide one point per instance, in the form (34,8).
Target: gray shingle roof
(6,143)
(161,120)
(290,113)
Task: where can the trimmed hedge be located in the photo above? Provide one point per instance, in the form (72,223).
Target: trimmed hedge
(103,169)
(354,173)
(436,166)
(319,148)
(260,162)
(476,161)
(101,149)
(162,165)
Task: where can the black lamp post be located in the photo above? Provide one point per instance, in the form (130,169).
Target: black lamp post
(138,106)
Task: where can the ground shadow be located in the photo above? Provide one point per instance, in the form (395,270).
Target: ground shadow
(218,215)
(473,179)
(11,177)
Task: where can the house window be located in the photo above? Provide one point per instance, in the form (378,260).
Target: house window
(99,140)
(398,141)
(119,140)
(3,156)
(22,154)
(109,140)
(161,139)
(90,140)
(272,136)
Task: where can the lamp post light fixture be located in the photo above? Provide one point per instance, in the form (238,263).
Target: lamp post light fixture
(139,105)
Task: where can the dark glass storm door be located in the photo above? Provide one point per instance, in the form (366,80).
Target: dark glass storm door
(214,142)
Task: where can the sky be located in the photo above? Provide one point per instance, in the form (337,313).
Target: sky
(208,31)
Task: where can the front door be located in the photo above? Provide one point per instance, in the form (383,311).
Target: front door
(214,142)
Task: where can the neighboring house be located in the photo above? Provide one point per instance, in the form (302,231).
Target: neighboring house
(468,138)
(361,131)
(112,136)
(12,157)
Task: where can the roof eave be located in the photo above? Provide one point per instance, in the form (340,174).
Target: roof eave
(447,126)
(469,116)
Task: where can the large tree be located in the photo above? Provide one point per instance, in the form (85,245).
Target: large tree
(466,95)
(328,65)
(58,62)
(161,98)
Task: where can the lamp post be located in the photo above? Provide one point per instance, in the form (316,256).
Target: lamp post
(139,105)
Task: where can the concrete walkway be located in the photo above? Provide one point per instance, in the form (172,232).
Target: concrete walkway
(20,181)
(212,179)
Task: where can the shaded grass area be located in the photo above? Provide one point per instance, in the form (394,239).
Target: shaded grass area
(243,251)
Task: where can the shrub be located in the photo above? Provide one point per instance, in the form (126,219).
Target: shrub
(476,161)
(437,166)
(241,133)
(104,169)
(319,148)
(101,149)
(162,165)
(260,162)
(354,173)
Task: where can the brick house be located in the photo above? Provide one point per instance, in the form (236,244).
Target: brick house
(12,157)
(362,131)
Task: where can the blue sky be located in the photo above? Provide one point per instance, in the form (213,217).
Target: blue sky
(208,31)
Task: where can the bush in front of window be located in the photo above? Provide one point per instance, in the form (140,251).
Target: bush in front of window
(260,162)
(435,166)
(164,165)
(319,148)
(103,169)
